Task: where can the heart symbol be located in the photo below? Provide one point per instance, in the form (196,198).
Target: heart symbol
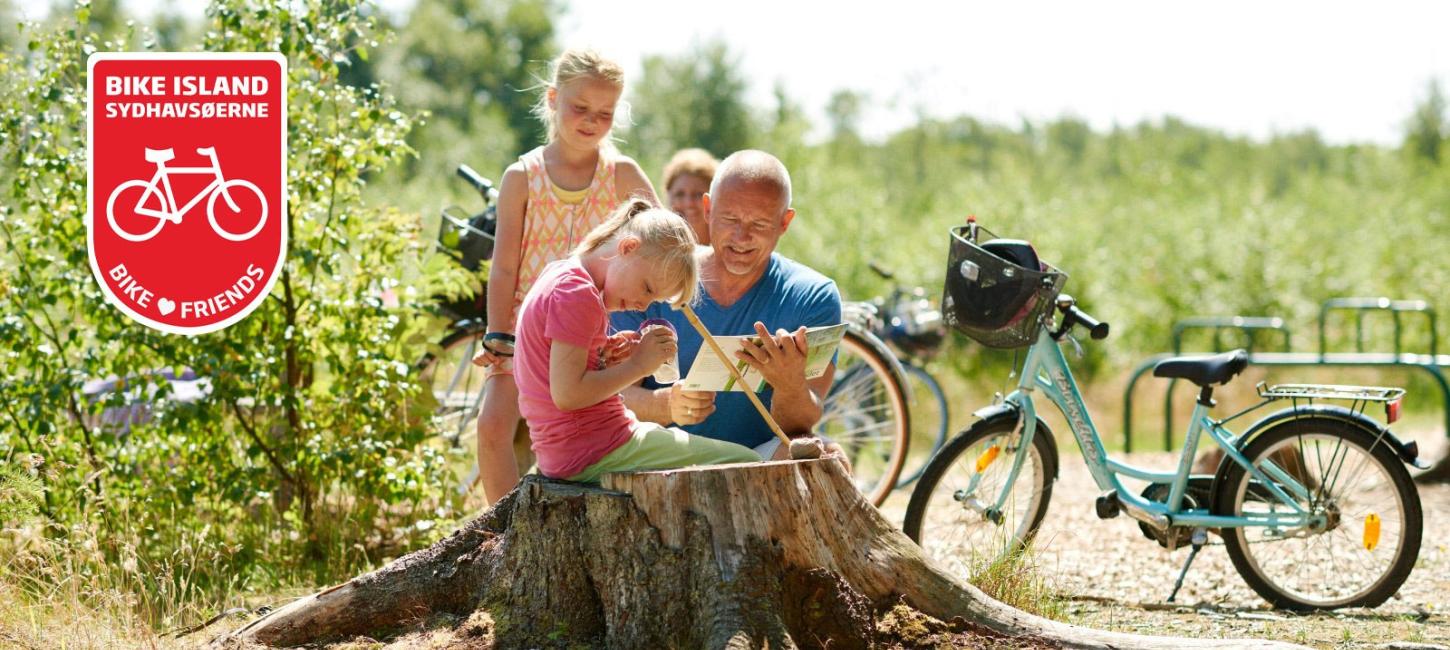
(165,306)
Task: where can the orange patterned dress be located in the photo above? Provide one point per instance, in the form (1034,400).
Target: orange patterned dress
(555,221)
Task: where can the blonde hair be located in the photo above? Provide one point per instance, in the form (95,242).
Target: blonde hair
(664,237)
(695,162)
(571,65)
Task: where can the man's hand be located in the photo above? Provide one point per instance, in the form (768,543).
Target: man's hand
(619,346)
(689,406)
(780,359)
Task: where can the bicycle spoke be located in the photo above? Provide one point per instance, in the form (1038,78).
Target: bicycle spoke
(1337,560)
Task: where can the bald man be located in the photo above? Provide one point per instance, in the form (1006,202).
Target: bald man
(748,290)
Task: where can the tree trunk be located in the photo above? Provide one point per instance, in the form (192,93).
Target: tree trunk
(784,554)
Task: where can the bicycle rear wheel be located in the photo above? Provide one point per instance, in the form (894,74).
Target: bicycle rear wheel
(929,421)
(950,513)
(1372,521)
(866,413)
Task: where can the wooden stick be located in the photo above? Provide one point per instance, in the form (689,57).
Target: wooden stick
(740,379)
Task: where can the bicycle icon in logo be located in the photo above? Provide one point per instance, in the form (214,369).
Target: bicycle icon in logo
(160,187)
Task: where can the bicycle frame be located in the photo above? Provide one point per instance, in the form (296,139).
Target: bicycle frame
(162,179)
(1046,369)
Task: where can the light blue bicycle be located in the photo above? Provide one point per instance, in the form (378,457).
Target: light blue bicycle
(1313,502)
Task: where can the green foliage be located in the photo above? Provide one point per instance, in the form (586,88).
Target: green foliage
(21,492)
(1153,223)
(313,437)
(695,100)
(472,64)
(1428,129)
(844,112)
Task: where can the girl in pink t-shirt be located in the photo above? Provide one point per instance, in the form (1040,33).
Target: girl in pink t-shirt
(578,422)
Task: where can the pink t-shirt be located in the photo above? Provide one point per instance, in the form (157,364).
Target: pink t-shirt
(564,305)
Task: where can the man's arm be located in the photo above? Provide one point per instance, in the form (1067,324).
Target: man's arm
(797,411)
(647,404)
(669,405)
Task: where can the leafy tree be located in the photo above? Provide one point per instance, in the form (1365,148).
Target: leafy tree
(844,112)
(695,100)
(1427,128)
(172,29)
(314,409)
(786,130)
(471,64)
(8,35)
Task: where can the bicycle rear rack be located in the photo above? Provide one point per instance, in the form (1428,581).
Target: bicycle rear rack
(1330,391)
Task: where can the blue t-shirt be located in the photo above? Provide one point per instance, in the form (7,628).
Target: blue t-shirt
(787,296)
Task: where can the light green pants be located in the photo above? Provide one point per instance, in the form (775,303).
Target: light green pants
(656,447)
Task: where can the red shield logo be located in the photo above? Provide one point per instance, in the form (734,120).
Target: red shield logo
(187,223)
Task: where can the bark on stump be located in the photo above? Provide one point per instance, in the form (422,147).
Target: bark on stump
(784,554)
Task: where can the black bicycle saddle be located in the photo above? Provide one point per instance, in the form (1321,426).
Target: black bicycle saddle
(1204,370)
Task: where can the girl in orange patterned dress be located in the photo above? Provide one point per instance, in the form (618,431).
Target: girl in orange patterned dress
(548,201)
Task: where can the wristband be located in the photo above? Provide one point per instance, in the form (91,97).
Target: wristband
(499,343)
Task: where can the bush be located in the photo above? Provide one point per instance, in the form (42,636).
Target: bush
(310,450)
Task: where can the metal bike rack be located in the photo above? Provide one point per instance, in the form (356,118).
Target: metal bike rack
(1432,363)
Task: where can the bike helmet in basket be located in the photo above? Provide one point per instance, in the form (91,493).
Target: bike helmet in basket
(997,291)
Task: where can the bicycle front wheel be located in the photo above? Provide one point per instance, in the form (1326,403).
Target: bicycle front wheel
(866,413)
(243,211)
(929,422)
(1367,522)
(952,512)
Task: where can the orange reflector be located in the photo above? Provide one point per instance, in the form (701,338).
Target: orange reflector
(1371,531)
(1392,411)
(987,457)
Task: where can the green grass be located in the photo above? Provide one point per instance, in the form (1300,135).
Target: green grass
(1018,580)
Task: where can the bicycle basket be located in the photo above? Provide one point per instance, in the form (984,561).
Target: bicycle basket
(468,240)
(992,300)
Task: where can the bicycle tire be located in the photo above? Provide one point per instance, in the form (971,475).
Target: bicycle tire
(211,210)
(455,383)
(111,212)
(930,419)
(866,412)
(1284,444)
(981,550)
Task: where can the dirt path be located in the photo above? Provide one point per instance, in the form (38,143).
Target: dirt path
(1113,577)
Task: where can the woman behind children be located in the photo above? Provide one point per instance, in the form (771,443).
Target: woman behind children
(687,178)
(548,201)
(577,420)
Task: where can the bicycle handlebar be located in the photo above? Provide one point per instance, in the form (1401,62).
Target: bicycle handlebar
(1071,316)
(881,271)
(1096,328)
(480,183)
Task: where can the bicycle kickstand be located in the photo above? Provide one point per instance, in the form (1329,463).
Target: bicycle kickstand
(1198,539)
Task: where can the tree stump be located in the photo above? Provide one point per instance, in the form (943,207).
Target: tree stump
(780,555)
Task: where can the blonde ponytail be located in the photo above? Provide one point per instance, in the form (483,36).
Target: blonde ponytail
(665,238)
(606,231)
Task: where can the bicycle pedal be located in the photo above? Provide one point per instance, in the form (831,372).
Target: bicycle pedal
(1107,505)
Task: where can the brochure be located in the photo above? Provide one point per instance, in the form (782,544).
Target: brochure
(709,374)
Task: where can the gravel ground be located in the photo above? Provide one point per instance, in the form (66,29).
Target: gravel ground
(1111,576)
